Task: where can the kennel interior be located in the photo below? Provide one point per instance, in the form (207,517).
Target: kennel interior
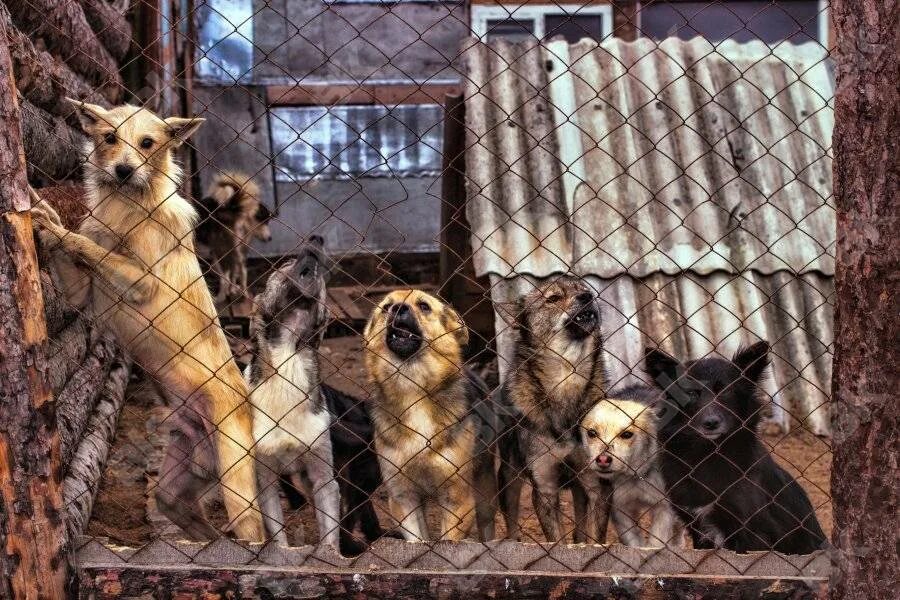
(677,157)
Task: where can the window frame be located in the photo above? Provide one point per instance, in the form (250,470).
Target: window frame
(481,14)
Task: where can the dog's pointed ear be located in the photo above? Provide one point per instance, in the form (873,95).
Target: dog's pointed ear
(753,360)
(180,128)
(662,368)
(509,312)
(89,115)
(455,325)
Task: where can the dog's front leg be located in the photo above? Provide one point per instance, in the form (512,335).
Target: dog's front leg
(664,527)
(592,524)
(129,278)
(457,500)
(325,491)
(268,478)
(545,495)
(627,527)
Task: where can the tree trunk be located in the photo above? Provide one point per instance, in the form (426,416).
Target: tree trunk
(35,558)
(66,32)
(110,26)
(83,478)
(76,401)
(866,416)
(52,148)
(43,80)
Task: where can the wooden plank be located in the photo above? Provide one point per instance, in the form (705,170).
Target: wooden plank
(115,582)
(336,94)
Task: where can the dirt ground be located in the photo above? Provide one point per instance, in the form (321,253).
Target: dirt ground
(123,515)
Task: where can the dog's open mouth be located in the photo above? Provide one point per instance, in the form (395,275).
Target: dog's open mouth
(583,323)
(404,337)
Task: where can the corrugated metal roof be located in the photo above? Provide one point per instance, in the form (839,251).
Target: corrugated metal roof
(641,157)
(690,183)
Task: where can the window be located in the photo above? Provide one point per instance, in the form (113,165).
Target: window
(541,21)
(225,51)
(341,142)
(796,21)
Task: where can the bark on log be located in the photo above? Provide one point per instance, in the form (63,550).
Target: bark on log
(67,33)
(76,402)
(43,80)
(35,559)
(68,350)
(865,479)
(86,468)
(111,26)
(53,150)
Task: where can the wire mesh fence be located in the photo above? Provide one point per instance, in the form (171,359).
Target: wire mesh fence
(444,272)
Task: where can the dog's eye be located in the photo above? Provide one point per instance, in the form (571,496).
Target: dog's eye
(110,138)
(147,143)
(625,435)
(554,298)
(423,306)
(592,433)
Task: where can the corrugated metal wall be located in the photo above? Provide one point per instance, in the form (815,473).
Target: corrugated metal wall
(690,182)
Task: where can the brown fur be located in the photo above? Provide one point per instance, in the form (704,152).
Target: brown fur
(132,262)
(556,377)
(231,214)
(433,433)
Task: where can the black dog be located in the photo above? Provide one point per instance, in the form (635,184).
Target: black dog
(719,476)
(356,467)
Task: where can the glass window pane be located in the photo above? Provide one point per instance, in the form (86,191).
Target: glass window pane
(740,20)
(225,51)
(573,27)
(513,30)
(341,142)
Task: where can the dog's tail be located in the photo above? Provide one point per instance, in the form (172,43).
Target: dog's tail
(235,190)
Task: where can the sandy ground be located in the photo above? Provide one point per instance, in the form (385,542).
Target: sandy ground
(122,515)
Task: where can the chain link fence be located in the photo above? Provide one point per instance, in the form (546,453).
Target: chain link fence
(494,278)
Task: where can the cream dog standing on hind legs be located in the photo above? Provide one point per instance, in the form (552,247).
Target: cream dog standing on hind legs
(132,262)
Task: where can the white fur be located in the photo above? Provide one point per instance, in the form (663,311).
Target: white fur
(285,423)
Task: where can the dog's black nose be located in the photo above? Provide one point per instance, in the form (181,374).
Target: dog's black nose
(123,172)
(711,423)
(585,297)
(400,309)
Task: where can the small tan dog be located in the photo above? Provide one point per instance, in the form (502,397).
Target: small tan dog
(620,436)
(434,430)
(132,262)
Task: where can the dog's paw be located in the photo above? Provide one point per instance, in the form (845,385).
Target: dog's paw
(50,233)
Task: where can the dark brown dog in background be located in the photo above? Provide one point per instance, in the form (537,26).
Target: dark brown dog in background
(231,216)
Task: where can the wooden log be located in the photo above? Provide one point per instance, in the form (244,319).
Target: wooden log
(112,581)
(67,351)
(66,32)
(53,150)
(43,80)
(76,401)
(865,481)
(111,26)
(36,560)
(87,464)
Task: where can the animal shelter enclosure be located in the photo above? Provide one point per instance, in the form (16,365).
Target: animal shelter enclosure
(441,299)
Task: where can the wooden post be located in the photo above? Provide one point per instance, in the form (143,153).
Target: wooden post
(866,412)
(34,555)
(454,232)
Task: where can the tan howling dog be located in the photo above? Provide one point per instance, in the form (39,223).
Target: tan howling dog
(132,262)
(555,378)
(434,431)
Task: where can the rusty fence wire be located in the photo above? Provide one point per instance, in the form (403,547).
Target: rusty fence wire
(327,275)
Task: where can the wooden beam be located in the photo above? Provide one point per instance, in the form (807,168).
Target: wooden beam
(865,484)
(34,555)
(122,581)
(336,94)
(455,232)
